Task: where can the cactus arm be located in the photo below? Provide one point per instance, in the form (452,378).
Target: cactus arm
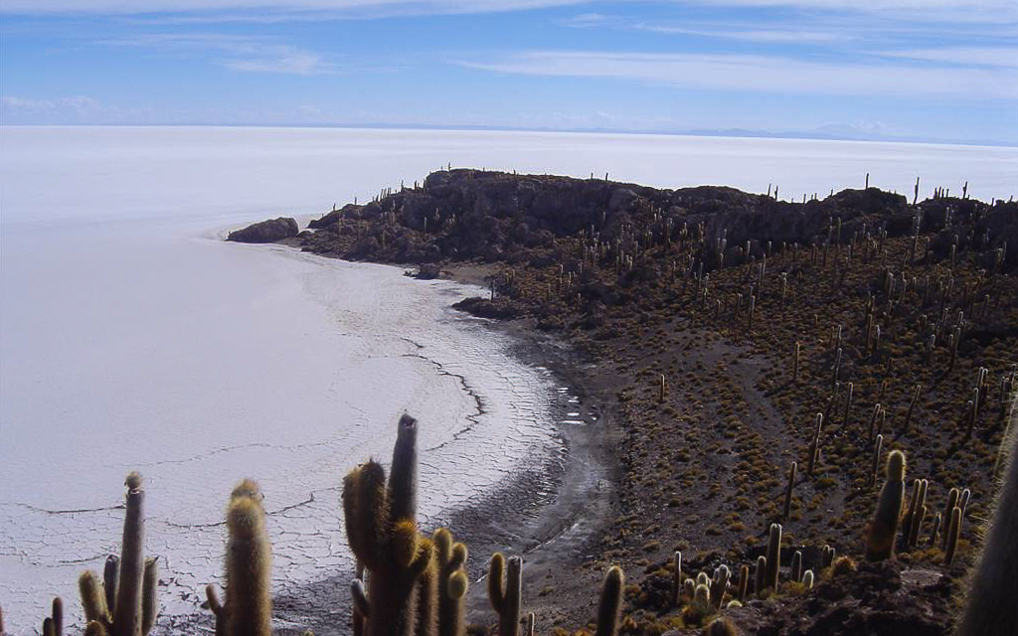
(427,593)
(58,616)
(126,619)
(149,601)
(452,618)
(372,515)
(93,600)
(47,627)
(611,602)
(403,474)
(111,573)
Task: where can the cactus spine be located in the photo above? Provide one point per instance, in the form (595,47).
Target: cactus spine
(382,532)
(506,596)
(611,602)
(884,526)
(124,604)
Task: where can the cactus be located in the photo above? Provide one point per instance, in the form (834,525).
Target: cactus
(452,582)
(787,510)
(911,407)
(952,500)
(506,596)
(428,593)
(124,604)
(248,606)
(797,566)
(884,526)
(720,627)
(795,363)
(952,534)
(760,575)
(53,625)
(611,602)
(990,607)
(719,585)
(382,532)
(807,579)
(676,577)
(743,582)
(773,556)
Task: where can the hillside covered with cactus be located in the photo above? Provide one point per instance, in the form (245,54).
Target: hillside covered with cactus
(765,358)
(808,409)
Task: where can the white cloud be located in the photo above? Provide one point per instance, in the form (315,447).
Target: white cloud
(237,52)
(761,73)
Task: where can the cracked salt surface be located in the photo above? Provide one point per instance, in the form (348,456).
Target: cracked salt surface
(199,363)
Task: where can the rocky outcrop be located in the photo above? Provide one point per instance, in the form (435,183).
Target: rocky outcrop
(520,219)
(266,231)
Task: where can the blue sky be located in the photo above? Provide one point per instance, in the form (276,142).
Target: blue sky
(929,70)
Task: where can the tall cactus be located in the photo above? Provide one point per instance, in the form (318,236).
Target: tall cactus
(124,604)
(506,596)
(248,606)
(773,556)
(884,526)
(382,532)
(990,606)
(52,625)
(611,602)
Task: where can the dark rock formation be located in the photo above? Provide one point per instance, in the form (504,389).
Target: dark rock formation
(514,219)
(266,231)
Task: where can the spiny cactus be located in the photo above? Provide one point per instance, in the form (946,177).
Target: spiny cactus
(773,556)
(124,604)
(760,575)
(797,566)
(428,584)
(807,579)
(382,532)
(719,585)
(952,534)
(676,577)
(611,602)
(827,554)
(720,627)
(52,625)
(450,558)
(884,526)
(248,605)
(953,496)
(743,582)
(990,606)
(506,596)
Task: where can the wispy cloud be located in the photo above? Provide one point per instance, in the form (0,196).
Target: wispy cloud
(288,8)
(237,52)
(762,73)
(770,36)
(988,56)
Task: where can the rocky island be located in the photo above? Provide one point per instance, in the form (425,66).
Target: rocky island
(774,370)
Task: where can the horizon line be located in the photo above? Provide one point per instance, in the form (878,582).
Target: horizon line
(731,133)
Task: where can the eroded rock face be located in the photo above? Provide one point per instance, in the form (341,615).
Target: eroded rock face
(266,231)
